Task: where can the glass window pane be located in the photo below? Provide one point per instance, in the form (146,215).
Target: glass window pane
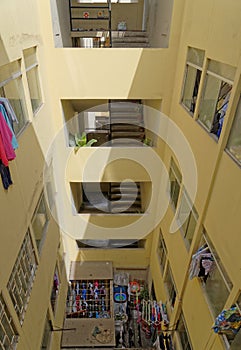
(224,70)
(183,335)
(30,56)
(170,287)
(34,88)
(209,101)
(234,141)
(40,219)
(217,291)
(13,90)
(195,56)
(191,86)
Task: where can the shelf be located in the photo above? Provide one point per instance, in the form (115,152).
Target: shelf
(90,18)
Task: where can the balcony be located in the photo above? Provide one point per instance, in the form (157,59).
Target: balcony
(117,123)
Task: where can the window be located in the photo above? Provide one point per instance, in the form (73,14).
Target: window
(39,222)
(21,279)
(111,243)
(175,183)
(162,252)
(11,87)
(170,287)
(192,78)
(234,141)
(218,285)
(31,66)
(8,333)
(188,217)
(55,289)
(47,334)
(215,96)
(183,334)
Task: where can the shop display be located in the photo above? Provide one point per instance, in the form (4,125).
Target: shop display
(88,299)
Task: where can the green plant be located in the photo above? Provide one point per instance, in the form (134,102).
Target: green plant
(147,141)
(81,141)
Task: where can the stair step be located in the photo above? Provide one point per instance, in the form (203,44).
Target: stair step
(128,33)
(130,45)
(126,127)
(127,134)
(126,143)
(131,39)
(123,196)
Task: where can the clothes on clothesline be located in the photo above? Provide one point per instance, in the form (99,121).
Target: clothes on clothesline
(229,320)
(10,112)
(8,141)
(163,342)
(202,263)
(5,175)
(7,120)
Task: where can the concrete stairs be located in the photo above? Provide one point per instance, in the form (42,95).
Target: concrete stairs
(126,123)
(125,197)
(130,39)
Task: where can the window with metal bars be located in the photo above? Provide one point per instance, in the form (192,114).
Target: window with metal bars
(22,276)
(8,333)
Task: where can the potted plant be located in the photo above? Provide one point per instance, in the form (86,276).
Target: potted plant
(81,141)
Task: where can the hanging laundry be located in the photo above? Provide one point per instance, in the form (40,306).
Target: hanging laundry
(6,135)
(229,320)
(5,175)
(9,109)
(202,263)
(6,118)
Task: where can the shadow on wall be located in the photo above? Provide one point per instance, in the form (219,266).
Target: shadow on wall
(4,59)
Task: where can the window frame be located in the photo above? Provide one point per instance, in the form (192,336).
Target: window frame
(223,274)
(192,214)
(17,283)
(173,169)
(198,66)
(33,68)
(16,77)
(236,120)
(184,330)
(4,312)
(44,227)
(162,252)
(169,282)
(213,119)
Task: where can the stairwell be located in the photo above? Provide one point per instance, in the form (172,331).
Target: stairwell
(130,39)
(125,197)
(126,123)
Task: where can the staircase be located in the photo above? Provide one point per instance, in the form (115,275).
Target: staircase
(130,39)
(126,123)
(125,197)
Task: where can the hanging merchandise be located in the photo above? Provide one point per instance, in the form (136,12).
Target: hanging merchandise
(228,321)
(202,263)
